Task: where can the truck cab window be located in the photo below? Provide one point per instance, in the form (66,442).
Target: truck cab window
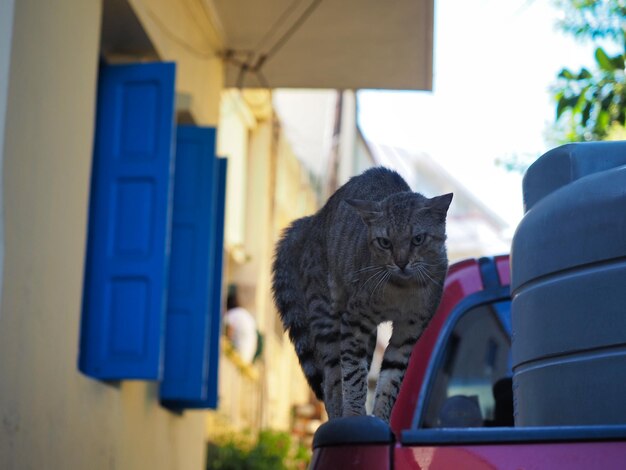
(471,385)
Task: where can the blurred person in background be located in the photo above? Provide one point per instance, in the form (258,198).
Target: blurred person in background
(240,327)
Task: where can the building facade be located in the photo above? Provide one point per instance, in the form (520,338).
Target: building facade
(59,412)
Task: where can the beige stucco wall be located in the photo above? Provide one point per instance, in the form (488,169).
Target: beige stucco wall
(51,416)
(255,272)
(182,31)
(293,198)
(247,137)
(6,36)
(269,189)
(235,123)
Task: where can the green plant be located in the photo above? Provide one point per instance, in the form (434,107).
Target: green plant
(271,450)
(591,104)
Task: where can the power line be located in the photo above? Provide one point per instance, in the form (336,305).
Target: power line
(255,60)
(256,66)
(291,31)
(277,24)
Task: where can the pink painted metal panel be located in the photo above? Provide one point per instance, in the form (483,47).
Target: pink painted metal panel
(504,269)
(548,456)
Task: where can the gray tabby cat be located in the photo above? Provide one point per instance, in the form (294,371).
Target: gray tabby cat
(375,252)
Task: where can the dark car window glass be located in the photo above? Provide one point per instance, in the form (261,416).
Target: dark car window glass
(472,382)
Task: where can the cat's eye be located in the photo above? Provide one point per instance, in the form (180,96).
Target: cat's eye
(384,243)
(418,239)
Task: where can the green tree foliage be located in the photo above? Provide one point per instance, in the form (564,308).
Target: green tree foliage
(271,450)
(591,104)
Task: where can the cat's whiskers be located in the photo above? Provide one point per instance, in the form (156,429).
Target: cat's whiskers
(379,271)
(386,282)
(383,279)
(356,276)
(426,275)
(419,274)
(367,268)
(430,265)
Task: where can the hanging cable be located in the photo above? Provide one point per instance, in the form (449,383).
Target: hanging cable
(262,80)
(277,24)
(291,31)
(257,60)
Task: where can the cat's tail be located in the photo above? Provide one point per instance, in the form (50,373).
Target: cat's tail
(290,298)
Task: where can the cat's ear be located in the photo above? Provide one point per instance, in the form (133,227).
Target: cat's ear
(439,205)
(369,211)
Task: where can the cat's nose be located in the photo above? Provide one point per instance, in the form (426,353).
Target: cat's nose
(402,264)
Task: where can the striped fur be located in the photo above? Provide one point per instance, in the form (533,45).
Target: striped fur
(375,252)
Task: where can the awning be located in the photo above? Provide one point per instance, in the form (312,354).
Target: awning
(345,44)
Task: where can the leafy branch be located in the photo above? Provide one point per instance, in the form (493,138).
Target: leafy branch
(591,104)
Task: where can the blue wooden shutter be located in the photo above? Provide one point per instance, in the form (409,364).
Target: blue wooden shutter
(129,220)
(216,307)
(193,313)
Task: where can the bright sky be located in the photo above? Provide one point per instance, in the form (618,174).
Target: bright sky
(494,62)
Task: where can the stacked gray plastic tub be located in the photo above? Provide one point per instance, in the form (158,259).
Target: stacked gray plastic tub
(568,281)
